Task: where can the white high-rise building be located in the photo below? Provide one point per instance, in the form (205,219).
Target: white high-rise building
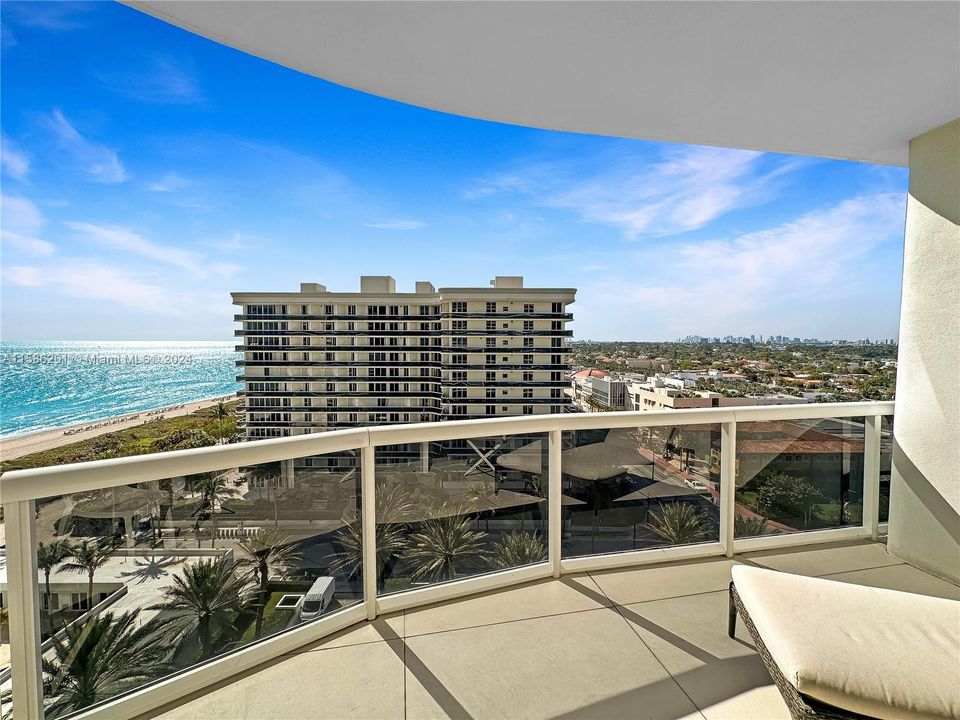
(315,360)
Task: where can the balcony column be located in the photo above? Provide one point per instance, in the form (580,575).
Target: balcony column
(287,474)
(924,525)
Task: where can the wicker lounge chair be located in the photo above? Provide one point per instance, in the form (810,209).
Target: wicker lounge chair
(836,650)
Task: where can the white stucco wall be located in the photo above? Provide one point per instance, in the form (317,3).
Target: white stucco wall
(925,481)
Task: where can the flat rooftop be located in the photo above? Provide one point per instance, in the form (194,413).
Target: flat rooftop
(641,642)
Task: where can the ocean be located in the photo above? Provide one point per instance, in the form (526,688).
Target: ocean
(45,385)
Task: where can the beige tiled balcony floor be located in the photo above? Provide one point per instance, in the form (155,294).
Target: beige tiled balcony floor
(649,642)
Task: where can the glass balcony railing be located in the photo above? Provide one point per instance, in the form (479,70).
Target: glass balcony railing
(131,582)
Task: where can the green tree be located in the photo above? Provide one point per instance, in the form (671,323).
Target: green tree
(49,556)
(518,548)
(678,523)
(206,599)
(443,544)
(393,507)
(749,526)
(266,550)
(222,413)
(214,489)
(790,494)
(89,557)
(105,656)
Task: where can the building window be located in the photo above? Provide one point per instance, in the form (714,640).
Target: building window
(528,342)
(491,409)
(528,409)
(557,308)
(556,342)
(491,325)
(491,360)
(528,325)
(491,392)
(458,342)
(491,307)
(527,376)
(459,392)
(458,307)
(528,393)
(528,307)
(458,325)
(528,359)
(459,359)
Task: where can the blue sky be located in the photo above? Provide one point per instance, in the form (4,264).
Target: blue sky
(148,172)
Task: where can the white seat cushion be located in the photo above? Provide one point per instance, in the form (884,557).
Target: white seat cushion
(877,652)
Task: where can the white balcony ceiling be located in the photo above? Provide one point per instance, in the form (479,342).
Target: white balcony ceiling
(851,80)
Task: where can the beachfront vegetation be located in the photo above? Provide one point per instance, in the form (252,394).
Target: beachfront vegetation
(265,551)
(518,548)
(202,427)
(88,557)
(678,523)
(104,656)
(204,600)
(443,545)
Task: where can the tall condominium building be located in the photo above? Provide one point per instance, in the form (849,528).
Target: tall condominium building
(315,360)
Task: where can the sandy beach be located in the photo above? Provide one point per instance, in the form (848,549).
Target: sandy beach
(21,445)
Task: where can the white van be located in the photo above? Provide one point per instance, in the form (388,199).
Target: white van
(317,600)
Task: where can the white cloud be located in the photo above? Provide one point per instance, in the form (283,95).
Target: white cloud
(170,182)
(20,224)
(165,81)
(236,242)
(90,280)
(396,225)
(126,240)
(686,189)
(15,162)
(795,274)
(28,245)
(100,163)
(55,16)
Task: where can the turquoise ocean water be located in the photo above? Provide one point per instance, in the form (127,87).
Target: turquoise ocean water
(45,385)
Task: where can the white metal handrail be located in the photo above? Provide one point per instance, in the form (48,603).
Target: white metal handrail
(19,489)
(19,485)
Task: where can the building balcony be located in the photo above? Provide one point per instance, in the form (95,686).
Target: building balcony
(637,642)
(602,603)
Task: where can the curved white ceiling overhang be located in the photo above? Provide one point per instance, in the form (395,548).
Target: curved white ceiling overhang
(853,80)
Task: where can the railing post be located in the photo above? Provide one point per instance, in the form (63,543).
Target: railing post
(554,501)
(728,485)
(24,610)
(368,528)
(871,474)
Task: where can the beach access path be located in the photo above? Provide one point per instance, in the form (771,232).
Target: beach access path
(21,445)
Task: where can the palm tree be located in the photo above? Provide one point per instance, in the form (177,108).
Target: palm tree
(49,556)
(105,656)
(394,507)
(749,526)
(214,490)
(678,523)
(89,557)
(518,548)
(266,550)
(443,543)
(205,598)
(221,412)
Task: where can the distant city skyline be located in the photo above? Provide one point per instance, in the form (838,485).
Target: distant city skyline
(146,177)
